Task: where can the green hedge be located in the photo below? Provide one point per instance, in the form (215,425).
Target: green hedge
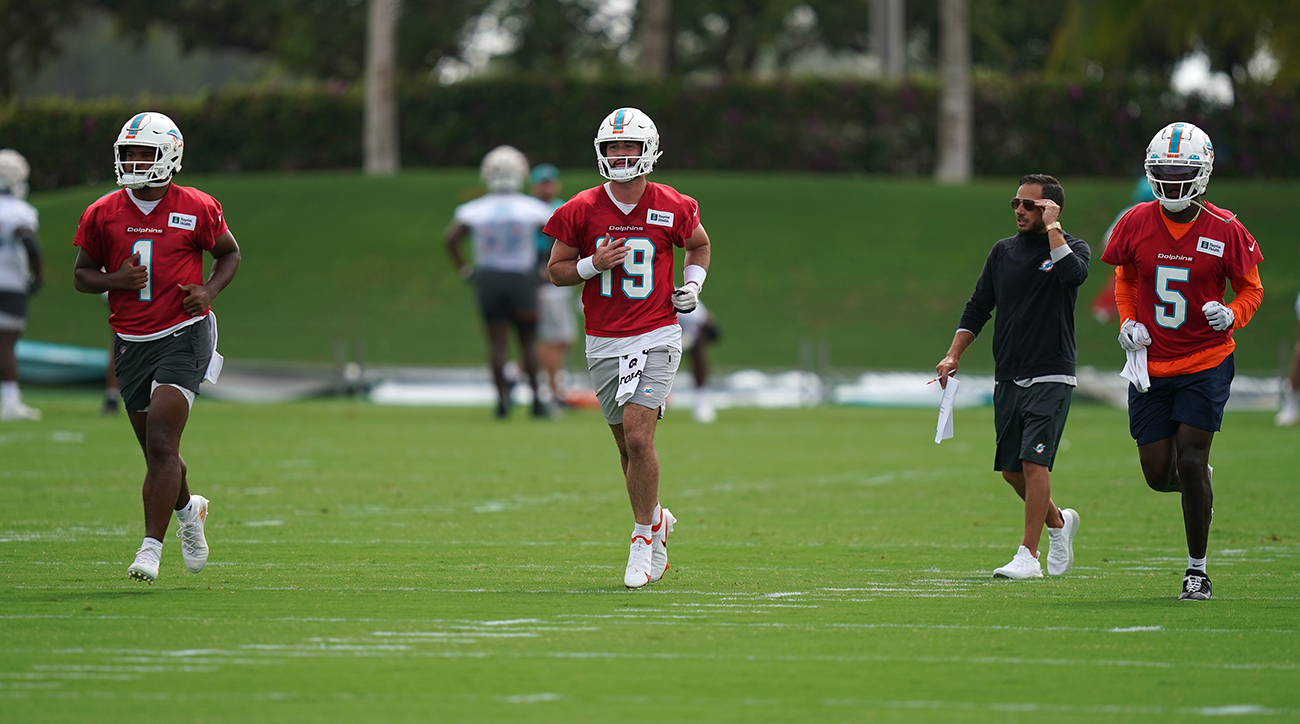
(1031,125)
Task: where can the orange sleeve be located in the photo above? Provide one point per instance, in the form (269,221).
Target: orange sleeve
(1126,292)
(1250,293)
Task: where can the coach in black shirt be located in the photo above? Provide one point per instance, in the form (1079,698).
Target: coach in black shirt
(1033,280)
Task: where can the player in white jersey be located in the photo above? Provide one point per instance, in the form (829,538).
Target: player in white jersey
(20,277)
(699,331)
(504,224)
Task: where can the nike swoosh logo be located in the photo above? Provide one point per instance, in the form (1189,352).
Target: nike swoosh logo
(177,334)
(1251,247)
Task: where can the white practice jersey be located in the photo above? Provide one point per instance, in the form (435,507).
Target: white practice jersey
(15,214)
(692,324)
(505,230)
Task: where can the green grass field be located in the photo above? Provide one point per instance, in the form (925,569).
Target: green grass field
(394,564)
(877,267)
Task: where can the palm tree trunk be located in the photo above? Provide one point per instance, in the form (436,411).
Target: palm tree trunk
(654,34)
(380,122)
(956,116)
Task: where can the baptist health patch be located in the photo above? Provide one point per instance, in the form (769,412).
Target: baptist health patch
(183,221)
(659,218)
(1210,246)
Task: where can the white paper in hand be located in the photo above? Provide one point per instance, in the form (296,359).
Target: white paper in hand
(944,429)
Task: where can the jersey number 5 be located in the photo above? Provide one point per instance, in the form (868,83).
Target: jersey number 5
(638,267)
(1173,312)
(144,247)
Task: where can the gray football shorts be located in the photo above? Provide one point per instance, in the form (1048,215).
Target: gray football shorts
(179,359)
(652,391)
(555,322)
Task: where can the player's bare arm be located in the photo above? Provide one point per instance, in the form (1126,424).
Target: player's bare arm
(564,261)
(225,262)
(697,248)
(456,234)
(89,277)
(948,365)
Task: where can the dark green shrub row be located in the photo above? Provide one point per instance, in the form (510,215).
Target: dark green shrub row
(1068,129)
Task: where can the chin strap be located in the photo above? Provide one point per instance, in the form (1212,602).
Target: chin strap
(1206,209)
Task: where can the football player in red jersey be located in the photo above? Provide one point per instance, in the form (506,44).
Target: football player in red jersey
(1174,258)
(144,246)
(617,240)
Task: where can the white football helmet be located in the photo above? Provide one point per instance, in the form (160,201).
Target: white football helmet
(627,124)
(13,173)
(1179,162)
(504,169)
(158,132)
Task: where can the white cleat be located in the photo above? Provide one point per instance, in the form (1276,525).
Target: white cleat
(704,413)
(638,563)
(1289,415)
(659,544)
(194,546)
(1060,544)
(145,567)
(1023,566)
(16,411)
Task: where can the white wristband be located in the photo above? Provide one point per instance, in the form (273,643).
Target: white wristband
(587,267)
(694,273)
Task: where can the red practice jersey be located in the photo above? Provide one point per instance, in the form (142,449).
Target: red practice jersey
(170,241)
(1177,277)
(634,298)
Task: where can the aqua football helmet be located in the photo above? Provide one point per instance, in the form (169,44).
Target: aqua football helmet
(156,131)
(1178,164)
(627,124)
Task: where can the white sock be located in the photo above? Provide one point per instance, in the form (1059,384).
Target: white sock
(184,514)
(1196,564)
(641,531)
(9,393)
(151,544)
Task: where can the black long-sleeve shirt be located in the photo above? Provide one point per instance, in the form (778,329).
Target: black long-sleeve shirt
(1033,334)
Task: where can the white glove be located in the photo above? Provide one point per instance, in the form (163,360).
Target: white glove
(686,297)
(1219,316)
(1133,336)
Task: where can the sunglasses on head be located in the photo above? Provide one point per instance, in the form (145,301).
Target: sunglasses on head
(1027,204)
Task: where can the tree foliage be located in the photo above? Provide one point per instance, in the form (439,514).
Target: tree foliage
(28,33)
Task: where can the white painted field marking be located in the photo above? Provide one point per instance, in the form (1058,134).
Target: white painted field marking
(1247,709)
(531,698)
(263,523)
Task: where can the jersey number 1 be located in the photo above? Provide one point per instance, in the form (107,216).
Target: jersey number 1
(144,247)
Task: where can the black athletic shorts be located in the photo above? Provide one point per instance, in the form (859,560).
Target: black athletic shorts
(1196,400)
(506,295)
(180,358)
(14,303)
(1029,422)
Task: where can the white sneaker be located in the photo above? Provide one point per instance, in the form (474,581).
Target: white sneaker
(659,544)
(1023,566)
(704,413)
(18,411)
(1289,415)
(638,563)
(1060,544)
(194,546)
(145,567)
